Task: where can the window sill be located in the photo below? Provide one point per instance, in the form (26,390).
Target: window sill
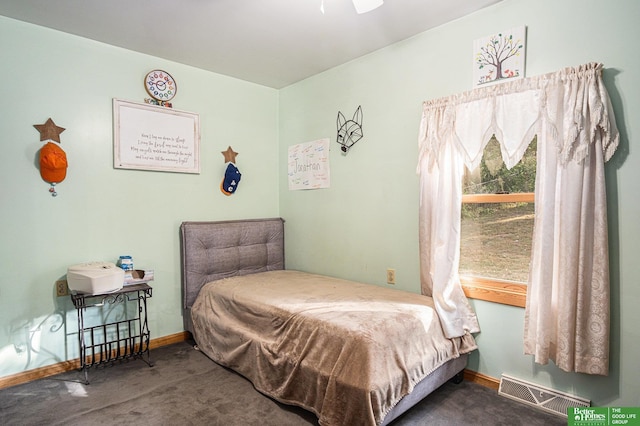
(504,292)
(517,197)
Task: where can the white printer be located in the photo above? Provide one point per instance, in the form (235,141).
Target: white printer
(95,277)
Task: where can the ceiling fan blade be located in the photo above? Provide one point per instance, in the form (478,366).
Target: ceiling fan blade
(364,6)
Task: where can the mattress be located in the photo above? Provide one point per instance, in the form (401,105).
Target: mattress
(346,351)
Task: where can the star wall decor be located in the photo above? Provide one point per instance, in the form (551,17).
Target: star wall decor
(232,175)
(229,155)
(49,131)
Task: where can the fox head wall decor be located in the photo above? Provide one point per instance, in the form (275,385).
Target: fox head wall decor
(349,131)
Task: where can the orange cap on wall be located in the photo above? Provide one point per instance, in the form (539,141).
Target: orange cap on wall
(53,163)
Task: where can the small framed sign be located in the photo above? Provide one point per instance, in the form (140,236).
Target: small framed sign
(150,137)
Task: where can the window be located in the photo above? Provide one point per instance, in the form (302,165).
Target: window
(497,227)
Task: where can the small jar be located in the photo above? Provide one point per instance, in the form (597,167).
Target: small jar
(126,263)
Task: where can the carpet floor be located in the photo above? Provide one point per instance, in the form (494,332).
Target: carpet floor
(184,387)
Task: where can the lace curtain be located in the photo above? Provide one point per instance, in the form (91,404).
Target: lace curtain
(567,311)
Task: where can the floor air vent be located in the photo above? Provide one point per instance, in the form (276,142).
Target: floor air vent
(546,399)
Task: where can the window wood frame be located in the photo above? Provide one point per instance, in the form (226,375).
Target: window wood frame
(492,289)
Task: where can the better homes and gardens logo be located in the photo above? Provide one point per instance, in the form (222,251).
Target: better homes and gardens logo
(588,416)
(603,416)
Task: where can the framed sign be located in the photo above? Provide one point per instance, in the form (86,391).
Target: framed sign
(150,137)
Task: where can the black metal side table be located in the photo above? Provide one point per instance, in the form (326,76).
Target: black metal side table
(119,340)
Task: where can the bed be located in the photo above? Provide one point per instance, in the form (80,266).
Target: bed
(351,353)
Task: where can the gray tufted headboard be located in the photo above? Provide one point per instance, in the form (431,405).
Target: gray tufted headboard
(214,250)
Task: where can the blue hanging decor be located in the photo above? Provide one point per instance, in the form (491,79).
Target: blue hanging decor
(232,175)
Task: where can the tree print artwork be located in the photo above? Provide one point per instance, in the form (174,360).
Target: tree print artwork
(499,57)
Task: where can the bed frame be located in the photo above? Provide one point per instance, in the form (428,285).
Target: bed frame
(214,250)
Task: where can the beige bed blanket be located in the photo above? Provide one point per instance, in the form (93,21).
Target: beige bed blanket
(346,351)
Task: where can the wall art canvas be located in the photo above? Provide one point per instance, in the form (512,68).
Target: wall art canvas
(499,57)
(308,165)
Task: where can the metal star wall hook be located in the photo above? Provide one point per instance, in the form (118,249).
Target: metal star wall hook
(49,131)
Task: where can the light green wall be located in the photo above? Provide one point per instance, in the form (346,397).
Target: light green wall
(102,212)
(367,221)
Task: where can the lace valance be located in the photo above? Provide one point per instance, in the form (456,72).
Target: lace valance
(571,105)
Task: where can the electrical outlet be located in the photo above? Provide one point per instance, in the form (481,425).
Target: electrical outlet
(61,288)
(391,276)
